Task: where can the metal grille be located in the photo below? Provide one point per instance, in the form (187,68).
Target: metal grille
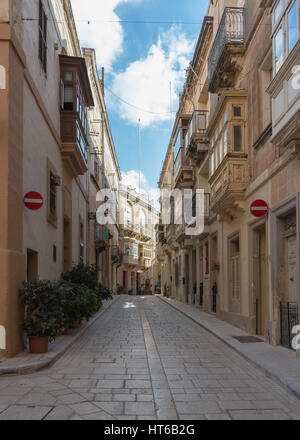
(289,318)
(231,30)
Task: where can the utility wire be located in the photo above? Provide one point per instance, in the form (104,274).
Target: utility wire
(134,21)
(137,108)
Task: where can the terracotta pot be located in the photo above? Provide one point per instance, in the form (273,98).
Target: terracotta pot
(65,328)
(77,323)
(38,345)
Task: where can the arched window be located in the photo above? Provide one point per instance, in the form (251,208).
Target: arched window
(128,215)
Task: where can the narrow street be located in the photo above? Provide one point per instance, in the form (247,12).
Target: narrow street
(144,360)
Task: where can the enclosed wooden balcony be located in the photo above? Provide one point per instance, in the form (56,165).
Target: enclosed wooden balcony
(227,51)
(228,186)
(76,97)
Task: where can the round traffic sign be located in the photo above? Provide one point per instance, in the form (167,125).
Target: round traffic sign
(33,200)
(259,208)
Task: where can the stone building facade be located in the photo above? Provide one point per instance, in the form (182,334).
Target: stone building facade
(236,138)
(51,106)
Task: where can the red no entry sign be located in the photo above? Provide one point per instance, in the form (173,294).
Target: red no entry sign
(259,208)
(33,200)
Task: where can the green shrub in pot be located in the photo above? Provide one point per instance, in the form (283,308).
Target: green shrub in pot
(43,309)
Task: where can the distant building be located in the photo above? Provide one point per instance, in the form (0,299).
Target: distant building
(137,218)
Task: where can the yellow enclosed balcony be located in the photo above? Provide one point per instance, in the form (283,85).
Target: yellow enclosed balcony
(229,174)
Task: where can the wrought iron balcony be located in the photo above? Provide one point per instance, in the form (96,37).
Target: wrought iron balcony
(227,50)
(136,231)
(101,237)
(196,140)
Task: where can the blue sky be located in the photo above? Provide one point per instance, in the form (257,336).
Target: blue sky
(140,62)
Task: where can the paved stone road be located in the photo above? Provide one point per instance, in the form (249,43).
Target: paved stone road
(144,360)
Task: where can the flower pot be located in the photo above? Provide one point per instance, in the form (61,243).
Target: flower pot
(38,345)
(65,328)
(76,323)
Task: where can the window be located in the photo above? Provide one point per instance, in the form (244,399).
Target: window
(216,158)
(81,143)
(52,194)
(68,98)
(279,49)
(225,143)
(237,111)
(68,76)
(128,216)
(238,138)
(206,259)
(292,26)
(277,11)
(286,31)
(212,163)
(43,36)
(81,243)
(234,246)
(96,168)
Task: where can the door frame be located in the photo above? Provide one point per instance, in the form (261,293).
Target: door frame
(281,210)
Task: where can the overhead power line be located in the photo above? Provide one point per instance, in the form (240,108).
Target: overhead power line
(169,22)
(137,108)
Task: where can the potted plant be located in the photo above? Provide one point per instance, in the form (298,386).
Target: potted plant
(215,267)
(43,313)
(120,289)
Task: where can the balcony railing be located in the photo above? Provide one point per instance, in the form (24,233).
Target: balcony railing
(137,229)
(197,126)
(231,31)
(101,237)
(203,209)
(178,163)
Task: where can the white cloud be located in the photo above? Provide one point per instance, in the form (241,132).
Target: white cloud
(146,83)
(131,179)
(103,35)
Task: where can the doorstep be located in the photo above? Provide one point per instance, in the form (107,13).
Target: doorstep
(25,362)
(277,362)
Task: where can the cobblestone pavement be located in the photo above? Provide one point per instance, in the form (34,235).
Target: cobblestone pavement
(144,360)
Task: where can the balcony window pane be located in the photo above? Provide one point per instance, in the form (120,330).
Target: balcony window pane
(278,11)
(221,149)
(279,49)
(225,118)
(217,156)
(202,122)
(237,111)
(68,76)
(238,140)
(292,26)
(225,143)
(68,98)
